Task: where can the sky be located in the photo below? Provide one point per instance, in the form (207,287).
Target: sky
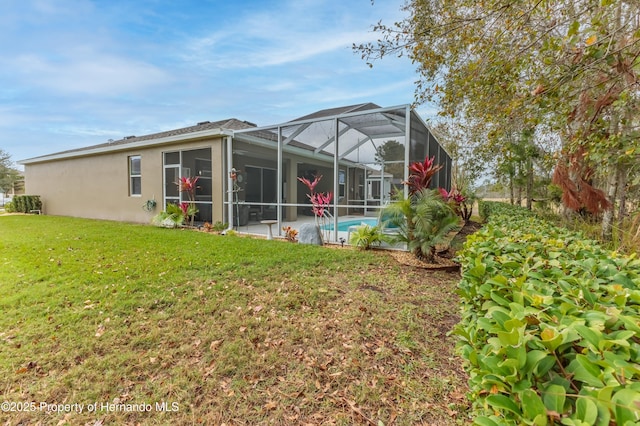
(79,72)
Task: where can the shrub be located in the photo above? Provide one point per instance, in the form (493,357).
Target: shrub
(549,328)
(365,237)
(171,217)
(25,203)
(421,221)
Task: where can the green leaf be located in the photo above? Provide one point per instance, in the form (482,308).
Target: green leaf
(550,338)
(627,406)
(534,358)
(554,397)
(478,270)
(585,371)
(502,402)
(586,410)
(532,405)
(591,335)
(484,421)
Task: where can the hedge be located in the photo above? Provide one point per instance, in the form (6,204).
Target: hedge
(550,328)
(26,203)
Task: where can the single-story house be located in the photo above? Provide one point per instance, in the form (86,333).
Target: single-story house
(361,151)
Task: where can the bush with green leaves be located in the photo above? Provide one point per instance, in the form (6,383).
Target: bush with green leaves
(172,217)
(550,326)
(421,221)
(366,237)
(25,203)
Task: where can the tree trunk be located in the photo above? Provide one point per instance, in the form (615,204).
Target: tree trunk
(529,182)
(608,216)
(511,193)
(622,197)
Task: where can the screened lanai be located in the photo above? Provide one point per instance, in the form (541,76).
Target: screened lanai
(360,154)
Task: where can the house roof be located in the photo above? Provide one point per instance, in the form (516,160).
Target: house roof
(381,122)
(200,130)
(338,111)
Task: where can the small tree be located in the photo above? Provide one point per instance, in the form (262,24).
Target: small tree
(10,178)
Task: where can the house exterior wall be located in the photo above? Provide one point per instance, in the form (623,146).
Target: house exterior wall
(97,186)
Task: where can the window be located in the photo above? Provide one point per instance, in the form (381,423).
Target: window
(135,176)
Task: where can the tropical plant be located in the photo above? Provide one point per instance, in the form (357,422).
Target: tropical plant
(421,221)
(365,237)
(319,200)
(172,217)
(460,204)
(187,184)
(290,234)
(189,210)
(420,174)
(216,227)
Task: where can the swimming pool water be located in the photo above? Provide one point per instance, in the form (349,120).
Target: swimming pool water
(346,224)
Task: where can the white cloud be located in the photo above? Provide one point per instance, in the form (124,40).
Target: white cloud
(294,32)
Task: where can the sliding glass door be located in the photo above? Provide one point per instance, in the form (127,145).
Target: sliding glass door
(189,164)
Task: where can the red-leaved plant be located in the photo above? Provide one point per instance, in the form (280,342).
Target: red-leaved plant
(188,184)
(458,203)
(319,200)
(420,174)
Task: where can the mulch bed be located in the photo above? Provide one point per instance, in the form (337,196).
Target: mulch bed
(444,259)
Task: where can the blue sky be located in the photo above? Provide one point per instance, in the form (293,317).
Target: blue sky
(80,72)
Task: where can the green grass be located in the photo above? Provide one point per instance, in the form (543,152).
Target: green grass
(229,329)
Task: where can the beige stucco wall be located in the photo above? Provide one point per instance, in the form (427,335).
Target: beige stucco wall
(97,186)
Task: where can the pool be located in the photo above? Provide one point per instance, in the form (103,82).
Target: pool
(346,224)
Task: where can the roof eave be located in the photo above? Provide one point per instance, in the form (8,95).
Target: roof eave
(128,146)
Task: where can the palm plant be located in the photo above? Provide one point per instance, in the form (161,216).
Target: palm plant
(421,221)
(172,217)
(365,237)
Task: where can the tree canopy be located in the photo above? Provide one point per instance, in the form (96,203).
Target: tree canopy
(10,177)
(512,67)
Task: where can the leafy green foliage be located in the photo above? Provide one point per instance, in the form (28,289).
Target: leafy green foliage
(365,237)
(11,179)
(172,217)
(421,221)
(26,203)
(518,69)
(549,327)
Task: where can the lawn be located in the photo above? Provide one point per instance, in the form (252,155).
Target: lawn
(109,323)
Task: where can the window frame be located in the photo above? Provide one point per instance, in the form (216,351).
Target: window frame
(133,176)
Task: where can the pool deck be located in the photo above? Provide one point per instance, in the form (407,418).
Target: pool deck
(257,228)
